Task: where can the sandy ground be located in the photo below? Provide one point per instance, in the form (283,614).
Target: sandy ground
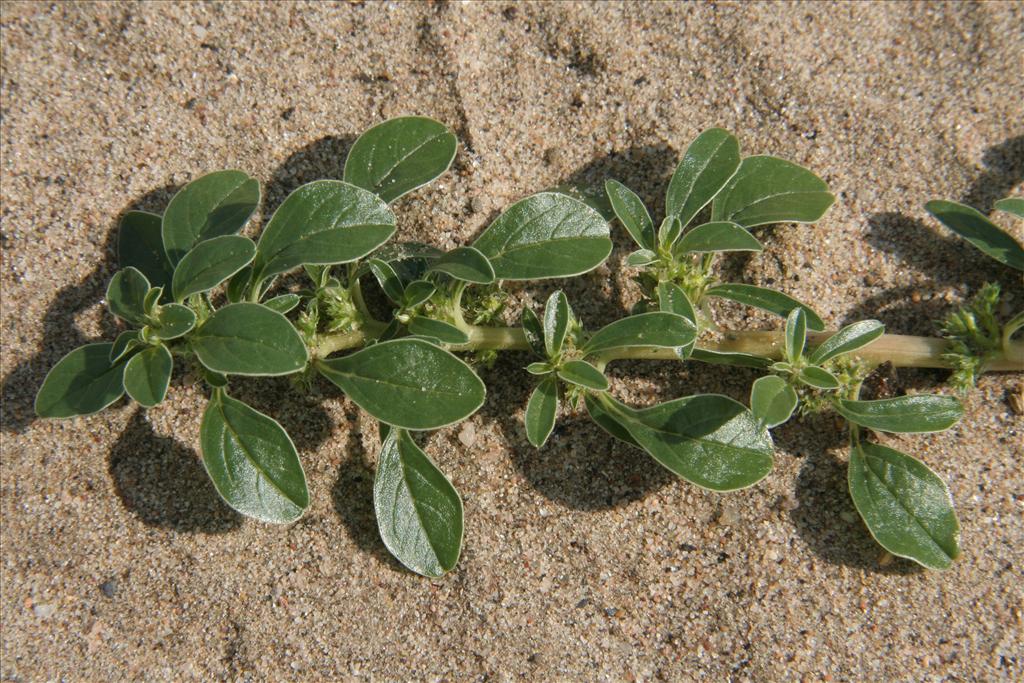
(583,561)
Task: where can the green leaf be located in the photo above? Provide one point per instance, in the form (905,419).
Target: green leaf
(907,508)
(252,461)
(772,400)
(543,236)
(632,213)
(210,263)
(216,204)
(534,332)
(126,296)
(388,280)
(557,316)
(407,383)
(818,377)
(467,264)
(642,257)
(767,300)
(709,440)
(238,285)
(322,223)
(541,410)
(852,337)
(419,512)
(249,339)
(438,329)
(396,157)
(738,360)
(172,321)
(151,302)
(283,303)
(669,231)
(147,375)
(796,334)
(607,420)
(140,246)
(721,236)
(1011,205)
(81,383)
(672,299)
(540,368)
(417,292)
(769,190)
(584,374)
(126,342)
(657,329)
(710,160)
(913,414)
(974,227)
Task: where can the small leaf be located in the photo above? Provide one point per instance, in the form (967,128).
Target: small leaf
(543,236)
(642,257)
(796,334)
(735,359)
(418,292)
(140,246)
(172,321)
(657,329)
(557,316)
(709,440)
(769,190)
(407,383)
(126,296)
(539,368)
(607,420)
(249,339)
(818,377)
(541,411)
(852,337)
(672,299)
(419,512)
(323,222)
(216,204)
(767,300)
(210,263)
(467,264)
(1011,205)
(907,508)
(151,302)
(388,280)
(126,342)
(238,285)
(584,374)
(81,383)
(632,213)
(669,231)
(534,332)
(974,227)
(147,375)
(438,329)
(772,400)
(283,303)
(399,155)
(252,461)
(722,236)
(914,414)
(710,160)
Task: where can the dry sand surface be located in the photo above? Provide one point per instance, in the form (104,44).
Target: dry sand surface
(583,561)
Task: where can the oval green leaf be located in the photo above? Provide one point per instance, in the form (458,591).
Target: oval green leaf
(796,334)
(907,508)
(400,155)
(419,512)
(541,411)
(147,375)
(407,383)
(656,329)
(210,263)
(249,339)
(767,300)
(126,342)
(607,420)
(172,321)
(81,383)
(534,332)
(557,316)
(766,190)
(216,204)
(772,400)
(852,337)
(583,374)
(818,377)
(467,264)
(323,222)
(543,236)
(438,329)
(669,232)
(641,257)
(388,280)
(1011,205)
(252,461)
(140,245)
(672,299)
(417,293)
(721,236)
(710,160)
(283,303)
(632,213)
(910,414)
(126,295)
(974,227)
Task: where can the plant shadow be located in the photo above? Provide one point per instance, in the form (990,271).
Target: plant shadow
(322,159)
(1005,170)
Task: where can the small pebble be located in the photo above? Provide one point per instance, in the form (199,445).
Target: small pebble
(467,435)
(44,610)
(109,588)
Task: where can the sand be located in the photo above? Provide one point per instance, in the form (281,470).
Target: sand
(583,561)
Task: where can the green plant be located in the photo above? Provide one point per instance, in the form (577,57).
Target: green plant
(192,291)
